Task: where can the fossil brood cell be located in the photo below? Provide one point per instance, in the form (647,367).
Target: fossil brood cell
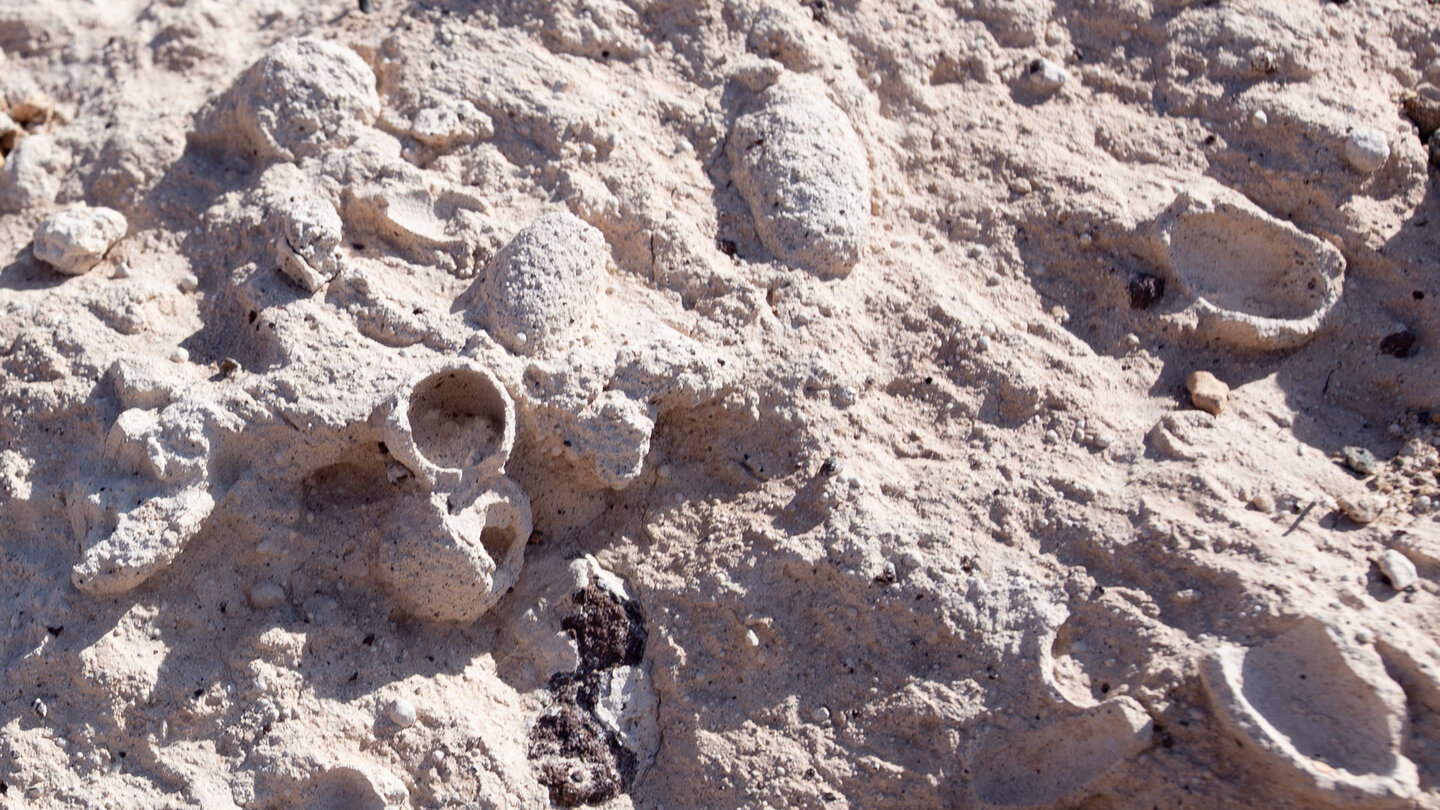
(451,426)
(541,283)
(453,546)
(802,168)
(302,97)
(1320,715)
(1249,280)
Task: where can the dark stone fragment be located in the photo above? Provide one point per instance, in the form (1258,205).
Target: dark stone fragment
(1145,290)
(576,758)
(1398,344)
(1360,460)
(608,632)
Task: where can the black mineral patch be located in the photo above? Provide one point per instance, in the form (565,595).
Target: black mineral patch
(608,632)
(1145,290)
(576,756)
(1398,344)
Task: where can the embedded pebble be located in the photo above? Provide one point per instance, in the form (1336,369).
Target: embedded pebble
(1367,149)
(1047,76)
(265,595)
(1398,569)
(1363,509)
(75,240)
(1360,460)
(820,715)
(401,712)
(1262,502)
(1207,392)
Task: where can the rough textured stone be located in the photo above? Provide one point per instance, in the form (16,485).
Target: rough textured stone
(75,240)
(1207,392)
(802,168)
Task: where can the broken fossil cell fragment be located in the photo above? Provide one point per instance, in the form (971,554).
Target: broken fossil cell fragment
(302,97)
(802,168)
(1058,761)
(73,241)
(32,173)
(453,565)
(1324,717)
(157,498)
(310,232)
(1251,280)
(144,540)
(444,123)
(600,412)
(543,281)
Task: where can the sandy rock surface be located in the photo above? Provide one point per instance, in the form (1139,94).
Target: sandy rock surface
(719,404)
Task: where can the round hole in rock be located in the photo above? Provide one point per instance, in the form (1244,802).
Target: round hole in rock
(497,543)
(1245,266)
(457,418)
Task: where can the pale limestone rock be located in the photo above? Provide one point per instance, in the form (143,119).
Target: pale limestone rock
(75,240)
(1207,392)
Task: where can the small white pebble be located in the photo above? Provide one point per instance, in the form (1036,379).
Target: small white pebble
(40,708)
(847,396)
(1260,119)
(265,595)
(820,715)
(1102,440)
(1398,570)
(1187,596)
(180,355)
(1051,437)
(1046,75)
(123,270)
(1367,149)
(401,712)
(189,282)
(752,639)
(983,344)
